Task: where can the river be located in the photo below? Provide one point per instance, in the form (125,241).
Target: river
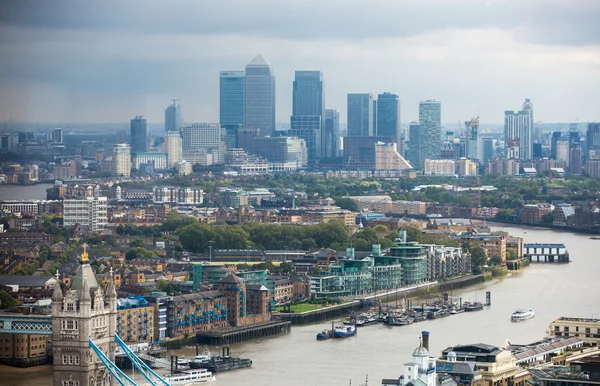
(552,290)
(24,192)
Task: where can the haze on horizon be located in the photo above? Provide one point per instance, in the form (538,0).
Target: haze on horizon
(107,61)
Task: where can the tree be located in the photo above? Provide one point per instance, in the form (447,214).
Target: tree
(7,301)
(136,243)
(511,254)
(496,260)
(347,203)
(478,259)
(413,233)
(504,215)
(548,218)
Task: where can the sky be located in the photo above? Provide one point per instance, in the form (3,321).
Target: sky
(70,61)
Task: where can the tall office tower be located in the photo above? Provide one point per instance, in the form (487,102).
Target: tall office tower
(430,118)
(575,164)
(309,101)
(231,107)
(414,149)
(374,116)
(518,132)
(487,149)
(121,160)
(472,145)
(332,132)
(538,150)
(360,115)
(173,147)
(593,139)
(57,135)
(173,121)
(139,135)
(388,115)
(556,135)
(259,96)
(562,151)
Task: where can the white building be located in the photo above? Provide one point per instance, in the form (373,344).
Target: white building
(439,167)
(121,165)
(420,372)
(159,160)
(177,195)
(89,212)
(562,151)
(183,168)
(518,132)
(173,147)
(388,158)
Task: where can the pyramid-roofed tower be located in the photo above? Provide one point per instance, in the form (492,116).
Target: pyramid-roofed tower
(259,60)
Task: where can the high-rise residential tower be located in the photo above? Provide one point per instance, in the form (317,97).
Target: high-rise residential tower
(388,115)
(173,121)
(57,135)
(360,115)
(173,147)
(518,132)
(473,150)
(308,112)
(259,96)
(430,118)
(414,153)
(593,139)
(332,133)
(139,135)
(556,135)
(231,107)
(121,165)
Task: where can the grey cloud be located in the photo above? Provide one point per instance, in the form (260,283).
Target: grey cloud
(572,22)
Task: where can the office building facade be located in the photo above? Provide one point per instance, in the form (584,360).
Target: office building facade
(139,135)
(414,151)
(430,118)
(472,140)
(231,106)
(259,96)
(360,115)
(518,132)
(173,120)
(308,109)
(593,139)
(204,136)
(388,116)
(332,134)
(308,127)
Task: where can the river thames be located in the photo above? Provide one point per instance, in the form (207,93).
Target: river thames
(297,359)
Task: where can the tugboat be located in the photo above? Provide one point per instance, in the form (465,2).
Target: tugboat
(325,334)
(344,331)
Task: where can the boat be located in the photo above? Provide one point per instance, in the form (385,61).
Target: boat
(218,364)
(190,377)
(595,238)
(366,321)
(522,314)
(418,318)
(198,360)
(457,310)
(325,334)
(183,364)
(475,306)
(344,331)
(394,320)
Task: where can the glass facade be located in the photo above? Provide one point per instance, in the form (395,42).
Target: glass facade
(259,96)
(430,118)
(231,106)
(413,258)
(309,112)
(308,127)
(139,135)
(388,115)
(331,146)
(360,115)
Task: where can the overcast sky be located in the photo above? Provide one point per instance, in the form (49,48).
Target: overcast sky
(106,61)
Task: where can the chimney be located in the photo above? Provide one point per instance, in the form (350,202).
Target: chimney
(425,339)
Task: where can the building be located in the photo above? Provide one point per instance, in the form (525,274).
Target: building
(308,127)
(467,167)
(494,244)
(556,135)
(592,167)
(173,120)
(57,135)
(204,136)
(121,163)
(259,95)
(88,212)
(388,116)
(421,371)
(414,153)
(413,259)
(75,321)
(177,195)
(309,100)
(586,329)
(139,135)
(576,158)
(593,139)
(563,214)
(136,319)
(388,158)
(31,207)
(359,151)
(487,150)
(231,106)
(584,371)
(184,168)
(439,167)
(430,118)
(173,147)
(518,132)
(534,213)
(562,151)
(24,350)
(331,141)
(473,150)
(360,115)
(188,314)
(503,167)
(157,160)
(290,153)
(497,365)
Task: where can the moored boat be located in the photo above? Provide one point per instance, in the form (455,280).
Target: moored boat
(190,377)
(325,334)
(595,238)
(522,314)
(475,306)
(393,320)
(218,364)
(344,331)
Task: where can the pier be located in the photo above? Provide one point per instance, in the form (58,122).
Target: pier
(221,336)
(546,253)
(319,314)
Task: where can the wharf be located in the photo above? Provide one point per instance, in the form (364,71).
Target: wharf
(222,336)
(547,253)
(319,314)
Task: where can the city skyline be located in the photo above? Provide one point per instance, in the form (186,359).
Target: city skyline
(60,64)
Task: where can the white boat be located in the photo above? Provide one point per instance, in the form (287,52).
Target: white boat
(523,314)
(190,377)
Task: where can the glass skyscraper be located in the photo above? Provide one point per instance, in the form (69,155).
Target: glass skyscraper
(139,135)
(332,133)
(414,151)
(518,132)
(173,121)
(259,96)
(231,107)
(360,115)
(430,118)
(388,115)
(308,110)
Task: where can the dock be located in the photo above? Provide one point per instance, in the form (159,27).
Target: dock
(319,314)
(546,253)
(222,336)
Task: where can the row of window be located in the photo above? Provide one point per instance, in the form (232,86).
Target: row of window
(70,359)
(70,383)
(70,324)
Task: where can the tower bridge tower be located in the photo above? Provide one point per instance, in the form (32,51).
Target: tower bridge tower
(84,312)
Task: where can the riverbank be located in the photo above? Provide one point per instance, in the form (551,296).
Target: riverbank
(575,230)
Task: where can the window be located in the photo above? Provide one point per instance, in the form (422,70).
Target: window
(70,383)
(70,306)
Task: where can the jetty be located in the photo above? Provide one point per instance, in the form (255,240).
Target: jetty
(318,314)
(546,253)
(222,336)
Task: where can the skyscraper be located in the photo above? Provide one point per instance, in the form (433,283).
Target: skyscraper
(414,151)
(593,139)
(360,115)
(388,115)
(173,147)
(57,135)
(518,132)
(259,96)
(139,135)
(173,121)
(231,107)
(430,118)
(472,146)
(556,135)
(121,165)
(309,103)
(332,133)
